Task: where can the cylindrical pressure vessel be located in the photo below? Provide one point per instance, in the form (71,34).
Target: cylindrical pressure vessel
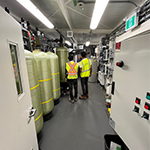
(45,81)
(62,54)
(54,66)
(93,77)
(34,90)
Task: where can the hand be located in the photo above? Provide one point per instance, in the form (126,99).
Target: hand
(90,75)
(66,80)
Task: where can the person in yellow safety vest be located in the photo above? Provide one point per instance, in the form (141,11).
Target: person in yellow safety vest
(85,72)
(71,78)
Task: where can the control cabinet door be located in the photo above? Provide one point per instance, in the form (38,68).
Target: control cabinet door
(132,82)
(17,127)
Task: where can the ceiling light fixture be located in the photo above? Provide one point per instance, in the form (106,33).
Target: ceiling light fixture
(36,12)
(68,43)
(98,11)
(87,43)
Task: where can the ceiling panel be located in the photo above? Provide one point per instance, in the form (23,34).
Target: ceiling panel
(82,22)
(80,19)
(58,20)
(47,7)
(87,11)
(114,13)
(19,11)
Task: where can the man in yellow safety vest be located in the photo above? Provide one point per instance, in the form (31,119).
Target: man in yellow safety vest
(71,78)
(85,72)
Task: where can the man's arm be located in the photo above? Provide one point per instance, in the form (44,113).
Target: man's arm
(66,74)
(90,68)
(80,69)
(91,71)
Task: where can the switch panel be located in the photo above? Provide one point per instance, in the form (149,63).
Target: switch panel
(145,115)
(147,106)
(136,109)
(148,96)
(137,100)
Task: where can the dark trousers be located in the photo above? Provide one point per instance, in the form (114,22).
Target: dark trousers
(73,83)
(64,86)
(84,85)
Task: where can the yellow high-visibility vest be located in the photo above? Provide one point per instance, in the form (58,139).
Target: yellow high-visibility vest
(86,65)
(72,68)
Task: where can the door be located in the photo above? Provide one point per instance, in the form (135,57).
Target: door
(17,128)
(132,82)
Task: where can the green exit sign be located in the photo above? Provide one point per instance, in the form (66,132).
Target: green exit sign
(131,22)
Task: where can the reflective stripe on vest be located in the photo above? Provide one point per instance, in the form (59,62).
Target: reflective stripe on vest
(85,73)
(72,72)
(72,67)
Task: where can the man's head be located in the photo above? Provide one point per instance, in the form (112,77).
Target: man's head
(70,57)
(83,54)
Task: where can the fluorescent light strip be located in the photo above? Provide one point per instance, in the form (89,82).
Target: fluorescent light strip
(36,12)
(67,42)
(98,11)
(87,43)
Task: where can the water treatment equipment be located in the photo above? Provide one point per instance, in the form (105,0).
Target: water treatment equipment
(34,90)
(45,81)
(62,53)
(93,77)
(54,66)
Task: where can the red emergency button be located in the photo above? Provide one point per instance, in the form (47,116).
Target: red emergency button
(137,100)
(147,106)
(120,63)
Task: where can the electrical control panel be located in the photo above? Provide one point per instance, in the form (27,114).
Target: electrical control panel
(130,108)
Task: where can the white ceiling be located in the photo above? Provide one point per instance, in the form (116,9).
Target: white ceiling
(65,16)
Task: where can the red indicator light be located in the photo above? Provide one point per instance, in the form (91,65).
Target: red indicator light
(120,63)
(146,107)
(137,101)
(32,37)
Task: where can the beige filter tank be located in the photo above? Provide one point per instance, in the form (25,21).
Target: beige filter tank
(34,90)
(45,81)
(54,66)
(62,54)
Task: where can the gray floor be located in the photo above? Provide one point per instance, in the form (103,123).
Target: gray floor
(78,126)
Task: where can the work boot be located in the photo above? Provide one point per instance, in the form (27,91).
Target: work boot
(71,100)
(87,95)
(75,99)
(83,97)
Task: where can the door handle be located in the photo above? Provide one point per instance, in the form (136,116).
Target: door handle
(113,88)
(32,112)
